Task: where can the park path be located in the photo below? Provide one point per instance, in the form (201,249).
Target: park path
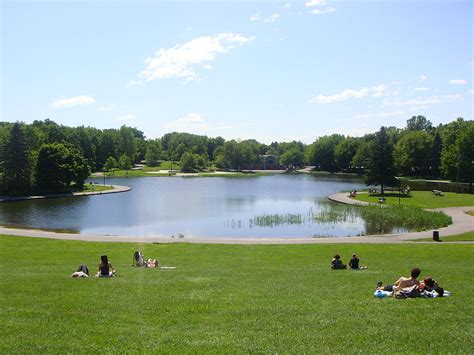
(462,223)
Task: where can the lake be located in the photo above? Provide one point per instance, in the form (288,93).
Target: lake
(279,205)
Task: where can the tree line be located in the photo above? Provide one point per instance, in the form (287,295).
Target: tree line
(47,157)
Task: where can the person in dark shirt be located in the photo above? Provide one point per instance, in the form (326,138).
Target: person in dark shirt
(354,263)
(105,268)
(336,263)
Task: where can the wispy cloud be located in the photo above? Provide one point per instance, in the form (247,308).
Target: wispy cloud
(422,77)
(72,101)
(458,81)
(420,101)
(326,10)
(422,88)
(108,108)
(375,91)
(125,117)
(342,96)
(182,60)
(470,92)
(269,19)
(288,5)
(312,3)
(191,118)
(319,7)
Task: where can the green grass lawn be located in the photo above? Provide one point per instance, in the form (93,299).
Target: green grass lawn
(230,299)
(422,199)
(94,188)
(465,237)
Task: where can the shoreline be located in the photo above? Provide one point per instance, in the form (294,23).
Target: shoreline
(115,189)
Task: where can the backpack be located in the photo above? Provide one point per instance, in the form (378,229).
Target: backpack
(408,292)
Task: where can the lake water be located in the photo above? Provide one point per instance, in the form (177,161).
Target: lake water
(195,207)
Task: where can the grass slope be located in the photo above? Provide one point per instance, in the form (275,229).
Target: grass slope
(422,199)
(230,298)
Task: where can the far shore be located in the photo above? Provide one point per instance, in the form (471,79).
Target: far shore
(114,189)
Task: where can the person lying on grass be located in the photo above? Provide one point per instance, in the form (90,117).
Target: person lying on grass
(430,285)
(354,263)
(336,263)
(139,260)
(105,268)
(402,282)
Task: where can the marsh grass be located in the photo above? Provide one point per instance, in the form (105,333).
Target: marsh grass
(378,219)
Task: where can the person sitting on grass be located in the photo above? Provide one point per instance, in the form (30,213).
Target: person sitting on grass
(402,282)
(336,263)
(105,268)
(354,263)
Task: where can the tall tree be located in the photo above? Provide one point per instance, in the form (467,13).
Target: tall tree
(413,154)
(323,153)
(381,169)
(419,123)
(16,163)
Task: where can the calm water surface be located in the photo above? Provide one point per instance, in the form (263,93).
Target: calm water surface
(204,207)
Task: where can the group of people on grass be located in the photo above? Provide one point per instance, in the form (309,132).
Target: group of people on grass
(337,264)
(404,287)
(410,287)
(105,268)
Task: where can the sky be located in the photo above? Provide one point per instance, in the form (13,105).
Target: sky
(268,70)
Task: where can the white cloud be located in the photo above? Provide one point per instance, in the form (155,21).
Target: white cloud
(180,60)
(134,83)
(312,3)
(422,77)
(288,5)
(72,101)
(376,91)
(458,81)
(345,95)
(207,66)
(470,92)
(269,19)
(422,88)
(326,10)
(191,118)
(108,108)
(125,117)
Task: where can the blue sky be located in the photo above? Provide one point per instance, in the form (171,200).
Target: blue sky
(267,70)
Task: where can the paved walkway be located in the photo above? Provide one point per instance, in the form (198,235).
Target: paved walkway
(461,223)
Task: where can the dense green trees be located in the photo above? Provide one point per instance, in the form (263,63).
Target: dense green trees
(59,165)
(413,153)
(323,152)
(16,163)
(419,150)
